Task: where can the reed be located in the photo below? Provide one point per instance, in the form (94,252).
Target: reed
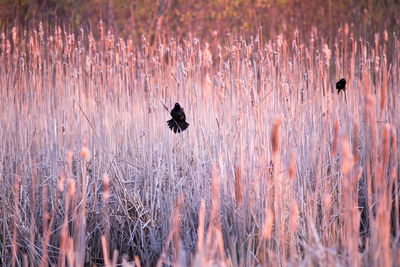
(276,168)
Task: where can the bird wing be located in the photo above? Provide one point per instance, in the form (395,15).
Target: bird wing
(178,115)
(183,116)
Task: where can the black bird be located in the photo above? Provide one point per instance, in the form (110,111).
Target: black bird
(341,85)
(178,122)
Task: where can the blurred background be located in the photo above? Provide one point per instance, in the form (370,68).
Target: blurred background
(207,18)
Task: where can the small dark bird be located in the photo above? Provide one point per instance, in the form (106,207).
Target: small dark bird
(341,85)
(178,122)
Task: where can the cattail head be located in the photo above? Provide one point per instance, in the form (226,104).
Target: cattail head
(335,138)
(294,215)
(377,64)
(41,32)
(346,29)
(106,188)
(327,54)
(268,224)
(370,103)
(240,118)
(215,179)
(85,153)
(70,155)
(376,42)
(292,167)
(71,187)
(275,135)
(327,201)
(393,139)
(15,35)
(101,29)
(384,86)
(61,182)
(386,144)
(8,47)
(347,160)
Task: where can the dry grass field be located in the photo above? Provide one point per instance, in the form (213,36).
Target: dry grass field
(275,169)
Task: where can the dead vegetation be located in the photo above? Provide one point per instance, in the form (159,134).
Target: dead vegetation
(275,169)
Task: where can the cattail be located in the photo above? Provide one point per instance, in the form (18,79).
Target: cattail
(294,217)
(268,224)
(238,177)
(41,32)
(384,85)
(327,201)
(215,184)
(70,250)
(348,159)
(8,48)
(137,261)
(275,135)
(45,203)
(15,36)
(173,237)
(71,187)
(240,118)
(85,153)
(114,258)
(309,204)
(2,41)
(376,42)
(70,155)
(346,29)
(106,188)
(64,230)
(292,167)
(377,64)
(385,35)
(386,145)
(337,57)
(327,53)
(61,182)
(104,248)
(393,141)
(335,138)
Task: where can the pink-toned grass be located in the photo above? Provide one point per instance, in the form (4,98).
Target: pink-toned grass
(276,168)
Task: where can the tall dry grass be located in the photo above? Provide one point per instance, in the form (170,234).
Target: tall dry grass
(275,168)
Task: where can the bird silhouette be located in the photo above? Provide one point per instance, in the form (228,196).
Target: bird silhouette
(178,122)
(341,85)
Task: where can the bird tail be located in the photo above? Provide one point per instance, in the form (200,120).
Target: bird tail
(183,125)
(177,127)
(173,125)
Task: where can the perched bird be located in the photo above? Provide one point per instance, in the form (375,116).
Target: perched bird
(178,122)
(341,85)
